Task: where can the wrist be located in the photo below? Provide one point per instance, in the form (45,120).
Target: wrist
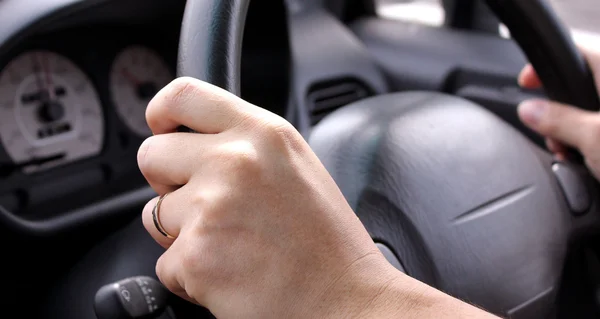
(360,291)
(389,293)
(378,290)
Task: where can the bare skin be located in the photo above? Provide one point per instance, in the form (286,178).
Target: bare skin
(565,125)
(262,230)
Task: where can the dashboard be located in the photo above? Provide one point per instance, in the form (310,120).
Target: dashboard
(76,75)
(73,94)
(75,78)
(73,111)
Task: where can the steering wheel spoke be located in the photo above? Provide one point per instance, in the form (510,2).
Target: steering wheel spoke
(579,189)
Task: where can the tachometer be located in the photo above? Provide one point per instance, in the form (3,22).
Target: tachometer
(137,74)
(50,112)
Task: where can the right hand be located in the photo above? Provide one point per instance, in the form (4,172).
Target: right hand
(260,228)
(564,125)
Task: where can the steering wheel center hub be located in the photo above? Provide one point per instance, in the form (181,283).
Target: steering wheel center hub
(466,202)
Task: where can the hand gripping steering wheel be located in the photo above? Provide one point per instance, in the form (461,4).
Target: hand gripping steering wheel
(466,202)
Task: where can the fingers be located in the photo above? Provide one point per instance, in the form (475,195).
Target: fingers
(554,146)
(557,148)
(198,105)
(169,272)
(168,161)
(529,79)
(565,124)
(170,214)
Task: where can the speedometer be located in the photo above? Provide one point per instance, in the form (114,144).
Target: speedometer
(136,76)
(50,113)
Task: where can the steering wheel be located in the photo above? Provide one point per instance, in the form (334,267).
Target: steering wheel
(464,200)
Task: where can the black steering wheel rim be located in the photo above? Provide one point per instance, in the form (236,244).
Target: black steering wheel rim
(212,31)
(547,43)
(210,50)
(210,44)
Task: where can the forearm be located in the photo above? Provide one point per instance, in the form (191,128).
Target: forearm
(384,292)
(407,298)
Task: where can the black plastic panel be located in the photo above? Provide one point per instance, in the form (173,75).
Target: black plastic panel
(323,49)
(419,57)
(477,66)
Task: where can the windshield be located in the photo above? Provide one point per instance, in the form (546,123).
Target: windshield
(580,15)
(583,16)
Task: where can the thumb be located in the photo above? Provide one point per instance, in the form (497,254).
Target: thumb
(566,124)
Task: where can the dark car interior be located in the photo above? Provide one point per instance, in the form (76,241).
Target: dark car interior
(75,76)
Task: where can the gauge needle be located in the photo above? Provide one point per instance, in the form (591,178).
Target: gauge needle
(49,84)
(36,70)
(130,77)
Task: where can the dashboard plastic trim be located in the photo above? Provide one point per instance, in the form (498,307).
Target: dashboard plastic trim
(18,17)
(94,213)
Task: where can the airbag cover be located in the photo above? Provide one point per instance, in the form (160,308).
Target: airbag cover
(464,200)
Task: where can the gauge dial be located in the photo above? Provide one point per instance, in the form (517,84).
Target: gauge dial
(137,74)
(50,112)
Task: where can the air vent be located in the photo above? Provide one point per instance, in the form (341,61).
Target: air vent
(326,97)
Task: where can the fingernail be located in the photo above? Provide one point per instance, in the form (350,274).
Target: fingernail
(525,71)
(532,111)
(560,157)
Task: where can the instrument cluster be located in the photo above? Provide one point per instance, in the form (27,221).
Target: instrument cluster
(50,110)
(72,109)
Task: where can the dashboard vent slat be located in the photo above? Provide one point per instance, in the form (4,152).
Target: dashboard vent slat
(325,98)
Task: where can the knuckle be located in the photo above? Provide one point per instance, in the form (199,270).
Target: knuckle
(213,217)
(143,155)
(191,260)
(275,123)
(148,152)
(208,208)
(215,205)
(276,126)
(160,269)
(166,277)
(591,137)
(281,135)
(242,157)
(195,262)
(172,99)
(181,90)
(198,199)
(246,159)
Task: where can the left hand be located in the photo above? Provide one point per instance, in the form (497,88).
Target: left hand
(261,228)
